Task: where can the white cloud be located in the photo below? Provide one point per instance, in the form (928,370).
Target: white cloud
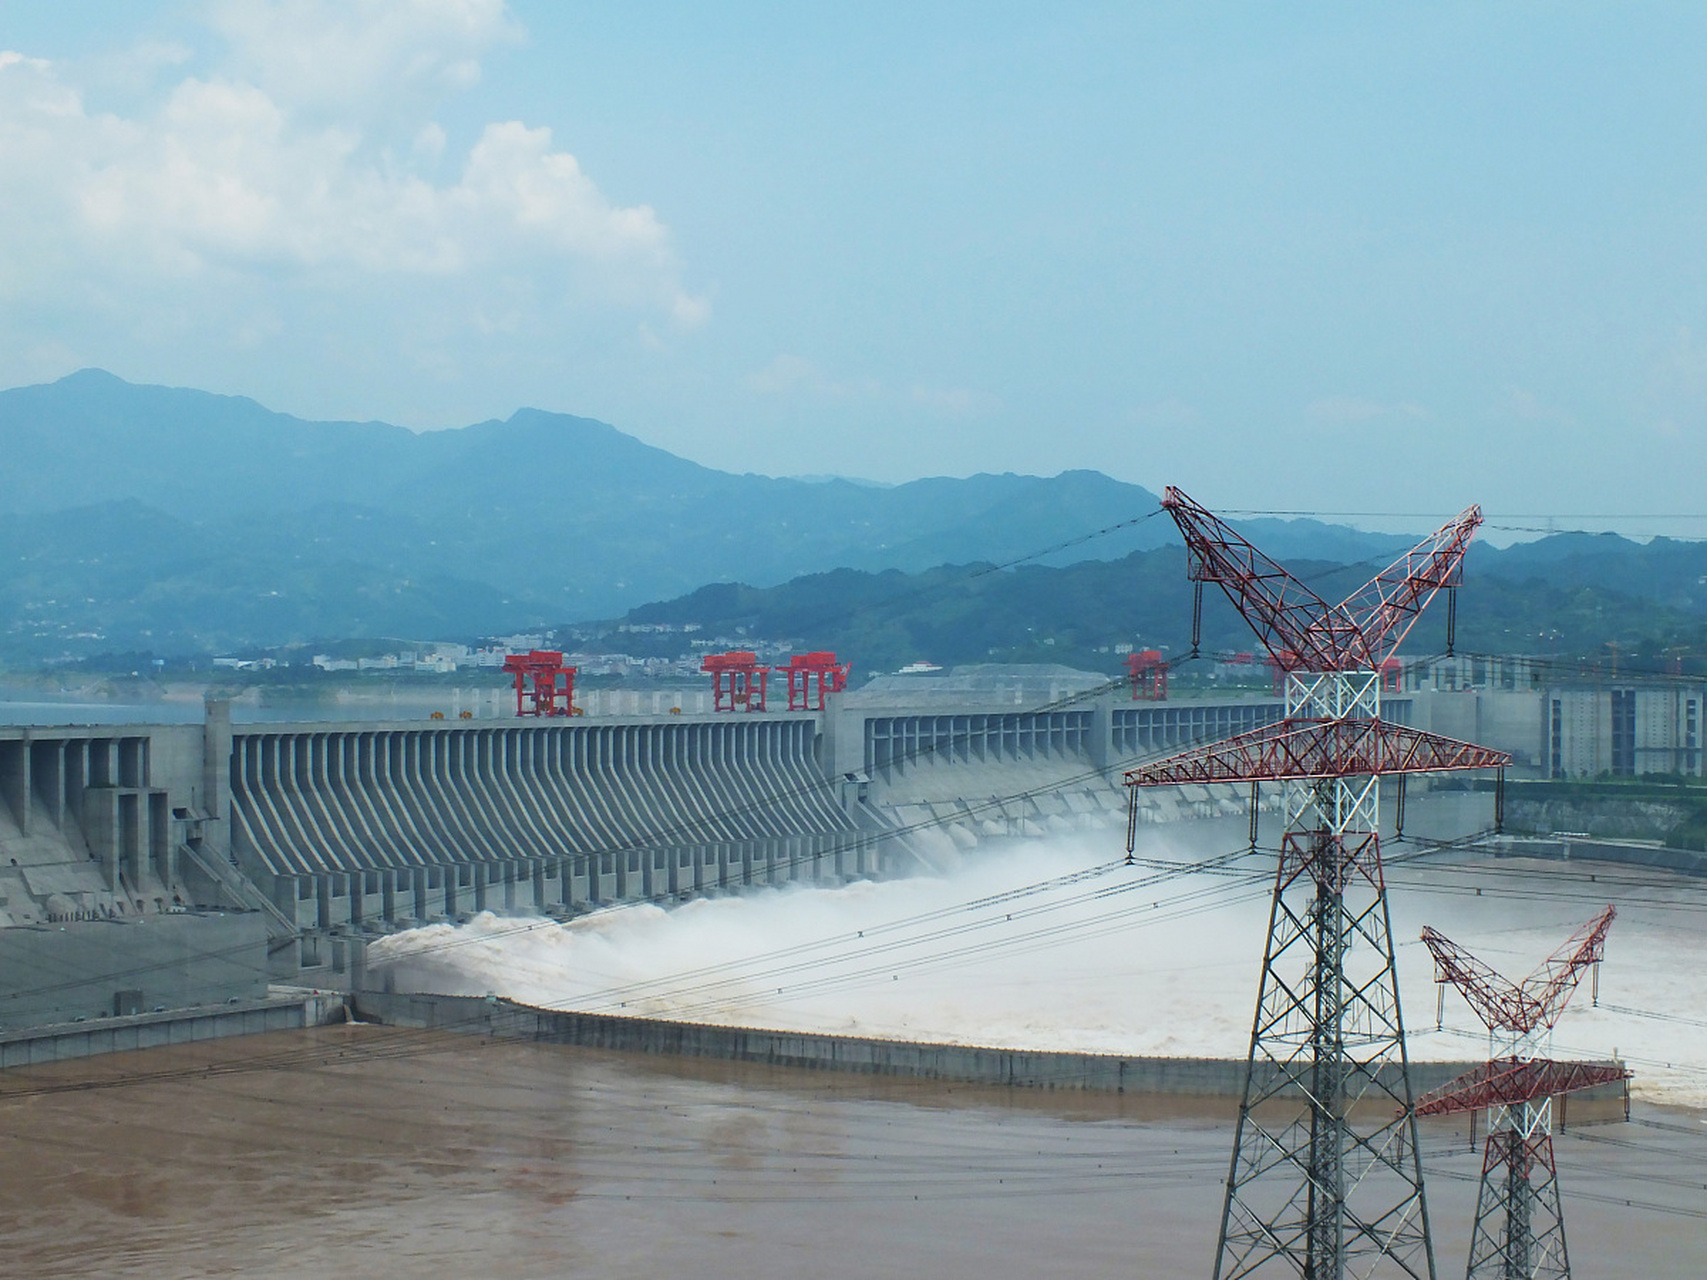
(1524,405)
(430,141)
(689,311)
(785,374)
(1677,384)
(135,69)
(956,402)
(307,163)
(361,56)
(790,375)
(1352,410)
(1172,414)
(795,376)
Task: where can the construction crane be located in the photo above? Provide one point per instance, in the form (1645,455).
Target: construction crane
(1147,669)
(805,668)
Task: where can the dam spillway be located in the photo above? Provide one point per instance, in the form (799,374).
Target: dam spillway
(330,831)
(409,822)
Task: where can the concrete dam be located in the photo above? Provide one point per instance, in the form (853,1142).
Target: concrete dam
(352,826)
(300,839)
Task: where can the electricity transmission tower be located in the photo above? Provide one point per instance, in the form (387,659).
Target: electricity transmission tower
(1520,1223)
(1326,1178)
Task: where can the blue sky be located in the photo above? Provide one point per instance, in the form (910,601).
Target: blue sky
(1306,257)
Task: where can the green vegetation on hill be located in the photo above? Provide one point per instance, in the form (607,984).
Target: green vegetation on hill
(136,516)
(1078,614)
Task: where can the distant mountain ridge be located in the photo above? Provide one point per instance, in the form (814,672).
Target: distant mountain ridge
(1082,614)
(183,521)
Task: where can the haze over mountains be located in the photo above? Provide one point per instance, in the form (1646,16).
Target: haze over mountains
(177,521)
(180,521)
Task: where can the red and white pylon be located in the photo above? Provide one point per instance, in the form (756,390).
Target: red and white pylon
(1520,1222)
(1323,1185)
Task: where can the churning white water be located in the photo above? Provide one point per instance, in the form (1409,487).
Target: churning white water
(1056,945)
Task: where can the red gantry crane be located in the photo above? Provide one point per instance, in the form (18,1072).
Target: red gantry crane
(737,680)
(1148,671)
(1520,1223)
(803,669)
(1322,1186)
(544,686)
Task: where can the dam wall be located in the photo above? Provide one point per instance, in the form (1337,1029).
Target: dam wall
(328,831)
(354,825)
(948,767)
(92,969)
(92,818)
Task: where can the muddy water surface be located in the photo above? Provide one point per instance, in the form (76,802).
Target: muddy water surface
(368,1152)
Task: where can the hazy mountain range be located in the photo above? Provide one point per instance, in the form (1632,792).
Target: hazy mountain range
(176,520)
(180,521)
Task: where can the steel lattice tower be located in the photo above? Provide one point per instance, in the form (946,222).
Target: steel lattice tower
(1520,1223)
(1326,1177)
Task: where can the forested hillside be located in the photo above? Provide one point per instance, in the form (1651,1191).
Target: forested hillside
(1082,613)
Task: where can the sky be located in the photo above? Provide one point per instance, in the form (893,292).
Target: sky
(1327,258)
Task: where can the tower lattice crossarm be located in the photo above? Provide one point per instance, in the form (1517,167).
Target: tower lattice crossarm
(1312,749)
(1512,1082)
(1517,1011)
(1301,630)
(1555,979)
(1335,766)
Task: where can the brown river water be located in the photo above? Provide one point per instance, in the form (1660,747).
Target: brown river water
(371,1152)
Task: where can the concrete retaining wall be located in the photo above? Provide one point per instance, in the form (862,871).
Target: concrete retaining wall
(1018,1068)
(1628,853)
(101,968)
(179,1026)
